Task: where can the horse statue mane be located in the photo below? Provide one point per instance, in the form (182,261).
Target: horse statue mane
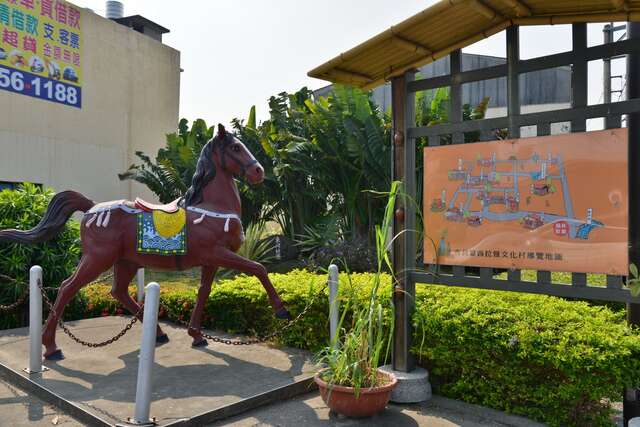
(205,168)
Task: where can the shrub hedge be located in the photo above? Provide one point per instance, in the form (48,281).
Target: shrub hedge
(22,209)
(552,360)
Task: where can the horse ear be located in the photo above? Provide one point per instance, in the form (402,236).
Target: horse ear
(221,131)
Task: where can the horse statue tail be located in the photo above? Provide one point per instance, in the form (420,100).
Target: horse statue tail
(60,209)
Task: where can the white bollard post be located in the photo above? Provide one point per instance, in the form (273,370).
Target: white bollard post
(147,353)
(140,285)
(334,308)
(634,422)
(35,321)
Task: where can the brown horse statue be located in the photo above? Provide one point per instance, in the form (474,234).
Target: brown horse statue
(111,236)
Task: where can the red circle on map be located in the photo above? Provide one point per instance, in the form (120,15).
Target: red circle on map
(561,228)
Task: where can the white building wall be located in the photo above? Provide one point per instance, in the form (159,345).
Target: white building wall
(130,98)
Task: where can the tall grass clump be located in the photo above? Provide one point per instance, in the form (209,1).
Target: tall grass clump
(363,342)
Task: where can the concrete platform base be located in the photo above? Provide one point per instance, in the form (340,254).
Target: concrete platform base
(191,386)
(413,387)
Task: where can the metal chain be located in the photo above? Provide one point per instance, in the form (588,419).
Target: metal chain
(80,341)
(23,298)
(258,340)
(13,306)
(134,319)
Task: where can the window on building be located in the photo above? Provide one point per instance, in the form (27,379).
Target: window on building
(8,185)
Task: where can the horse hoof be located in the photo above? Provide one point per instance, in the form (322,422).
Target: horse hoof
(161,339)
(283,314)
(199,343)
(56,355)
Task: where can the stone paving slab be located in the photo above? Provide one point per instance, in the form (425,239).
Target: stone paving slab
(187,381)
(17,409)
(310,411)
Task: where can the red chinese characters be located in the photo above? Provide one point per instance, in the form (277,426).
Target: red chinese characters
(29,44)
(10,37)
(61,12)
(46,8)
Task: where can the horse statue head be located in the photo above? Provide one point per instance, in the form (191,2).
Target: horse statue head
(228,154)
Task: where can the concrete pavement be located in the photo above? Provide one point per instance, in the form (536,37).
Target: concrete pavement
(310,411)
(187,381)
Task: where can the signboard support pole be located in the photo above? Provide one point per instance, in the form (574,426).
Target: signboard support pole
(413,383)
(631,405)
(513,96)
(402,295)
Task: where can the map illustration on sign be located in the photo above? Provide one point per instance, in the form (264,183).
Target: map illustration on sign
(550,203)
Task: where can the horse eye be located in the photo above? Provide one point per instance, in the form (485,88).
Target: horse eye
(236,148)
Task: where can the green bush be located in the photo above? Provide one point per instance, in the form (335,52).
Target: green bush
(22,209)
(552,360)
(543,357)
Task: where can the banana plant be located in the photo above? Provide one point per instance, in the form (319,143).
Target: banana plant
(169,175)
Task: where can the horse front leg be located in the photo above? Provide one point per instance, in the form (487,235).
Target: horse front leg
(88,269)
(195,324)
(227,259)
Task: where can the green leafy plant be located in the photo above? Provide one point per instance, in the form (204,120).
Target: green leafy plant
(22,209)
(255,247)
(634,281)
(556,361)
(169,175)
(321,157)
(325,233)
(361,346)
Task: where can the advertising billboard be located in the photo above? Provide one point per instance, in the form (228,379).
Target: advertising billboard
(41,50)
(556,203)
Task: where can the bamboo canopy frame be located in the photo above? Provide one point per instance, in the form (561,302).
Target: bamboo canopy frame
(454,24)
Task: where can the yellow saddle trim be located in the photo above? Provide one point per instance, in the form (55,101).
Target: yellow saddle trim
(168,225)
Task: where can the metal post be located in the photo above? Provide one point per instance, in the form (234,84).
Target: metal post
(35,321)
(513,99)
(334,307)
(455,115)
(140,285)
(631,404)
(579,74)
(147,354)
(513,79)
(607,32)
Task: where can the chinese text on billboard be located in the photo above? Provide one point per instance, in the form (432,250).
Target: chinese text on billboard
(40,50)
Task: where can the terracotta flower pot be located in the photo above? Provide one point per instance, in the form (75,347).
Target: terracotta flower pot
(343,400)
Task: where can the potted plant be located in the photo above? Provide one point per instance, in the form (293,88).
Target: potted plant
(350,382)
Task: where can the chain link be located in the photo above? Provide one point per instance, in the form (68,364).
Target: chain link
(13,306)
(252,341)
(18,303)
(80,341)
(134,319)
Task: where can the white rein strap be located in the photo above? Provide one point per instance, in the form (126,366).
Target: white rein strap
(212,214)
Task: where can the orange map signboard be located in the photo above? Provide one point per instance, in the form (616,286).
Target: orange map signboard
(555,203)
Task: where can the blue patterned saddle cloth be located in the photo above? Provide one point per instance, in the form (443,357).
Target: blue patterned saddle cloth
(161,233)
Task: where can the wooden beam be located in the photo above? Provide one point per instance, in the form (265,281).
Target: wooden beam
(485,10)
(572,19)
(520,8)
(397,70)
(620,5)
(410,46)
(356,78)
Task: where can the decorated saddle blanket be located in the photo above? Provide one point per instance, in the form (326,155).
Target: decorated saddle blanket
(162,233)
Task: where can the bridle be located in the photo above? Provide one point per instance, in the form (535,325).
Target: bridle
(238,161)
